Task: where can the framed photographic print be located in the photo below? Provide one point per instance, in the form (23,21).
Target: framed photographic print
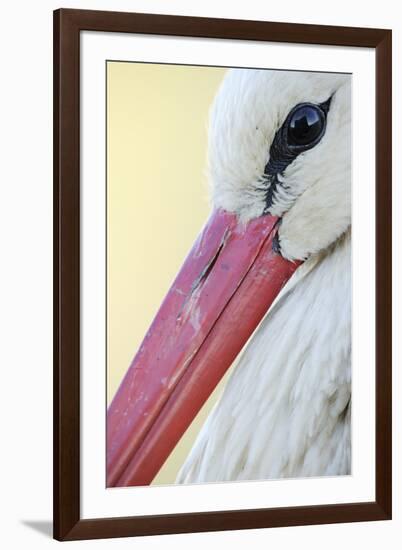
(222,270)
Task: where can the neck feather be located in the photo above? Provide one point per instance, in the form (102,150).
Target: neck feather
(285,411)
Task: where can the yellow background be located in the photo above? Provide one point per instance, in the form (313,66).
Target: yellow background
(157,201)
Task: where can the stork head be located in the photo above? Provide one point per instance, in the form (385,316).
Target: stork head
(279,143)
(279,163)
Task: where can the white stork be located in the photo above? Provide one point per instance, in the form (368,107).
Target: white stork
(279,166)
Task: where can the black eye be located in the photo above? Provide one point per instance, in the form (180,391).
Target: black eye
(306,125)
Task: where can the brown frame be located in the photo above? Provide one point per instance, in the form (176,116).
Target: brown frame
(67,26)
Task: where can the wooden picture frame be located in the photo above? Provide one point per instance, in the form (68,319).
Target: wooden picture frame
(68,24)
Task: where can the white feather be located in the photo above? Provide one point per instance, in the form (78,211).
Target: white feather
(285,411)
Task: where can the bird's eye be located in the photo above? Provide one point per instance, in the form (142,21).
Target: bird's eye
(306,126)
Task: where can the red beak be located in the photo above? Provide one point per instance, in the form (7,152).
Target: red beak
(223,290)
